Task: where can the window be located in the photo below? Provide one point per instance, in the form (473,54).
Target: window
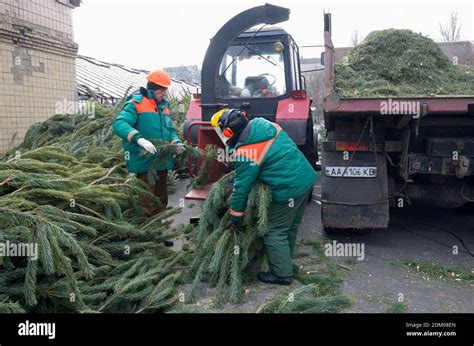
(253,71)
(296,79)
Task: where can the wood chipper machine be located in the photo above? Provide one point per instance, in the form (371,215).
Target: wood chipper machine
(253,66)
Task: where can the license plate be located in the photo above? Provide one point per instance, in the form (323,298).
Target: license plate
(351,172)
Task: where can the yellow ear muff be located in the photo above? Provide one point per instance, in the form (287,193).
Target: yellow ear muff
(216,117)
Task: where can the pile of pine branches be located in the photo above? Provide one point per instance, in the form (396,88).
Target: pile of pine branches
(400,63)
(66,190)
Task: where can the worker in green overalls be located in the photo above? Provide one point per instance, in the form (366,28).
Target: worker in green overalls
(264,152)
(145,117)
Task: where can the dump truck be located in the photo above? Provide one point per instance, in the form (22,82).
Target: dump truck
(258,71)
(420,154)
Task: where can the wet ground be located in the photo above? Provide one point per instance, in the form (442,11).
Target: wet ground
(440,237)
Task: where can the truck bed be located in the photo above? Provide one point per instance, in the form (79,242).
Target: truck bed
(449,104)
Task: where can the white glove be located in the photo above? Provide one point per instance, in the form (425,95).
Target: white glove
(147,145)
(180,148)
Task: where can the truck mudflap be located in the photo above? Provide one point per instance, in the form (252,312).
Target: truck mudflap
(352,201)
(335,215)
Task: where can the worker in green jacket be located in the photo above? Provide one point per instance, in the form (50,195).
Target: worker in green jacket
(264,152)
(145,117)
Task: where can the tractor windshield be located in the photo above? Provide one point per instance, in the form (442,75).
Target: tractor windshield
(252,71)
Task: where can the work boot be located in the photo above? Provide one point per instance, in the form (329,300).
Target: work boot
(270,278)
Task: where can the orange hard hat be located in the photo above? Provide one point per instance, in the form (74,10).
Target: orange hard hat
(159,77)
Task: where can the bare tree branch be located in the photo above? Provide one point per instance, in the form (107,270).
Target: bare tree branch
(452,30)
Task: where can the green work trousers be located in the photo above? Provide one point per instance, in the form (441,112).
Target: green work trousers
(160,190)
(283,223)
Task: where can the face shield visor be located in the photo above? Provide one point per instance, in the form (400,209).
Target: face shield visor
(221,135)
(215,120)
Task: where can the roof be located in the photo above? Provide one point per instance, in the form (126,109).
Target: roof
(188,74)
(101,80)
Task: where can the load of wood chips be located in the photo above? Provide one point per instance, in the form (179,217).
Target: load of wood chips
(400,63)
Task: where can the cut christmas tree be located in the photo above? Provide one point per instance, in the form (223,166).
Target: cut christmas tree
(222,257)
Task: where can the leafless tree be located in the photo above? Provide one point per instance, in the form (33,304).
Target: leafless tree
(314,86)
(356,38)
(451,31)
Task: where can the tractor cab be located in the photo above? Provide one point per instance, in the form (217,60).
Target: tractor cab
(259,68)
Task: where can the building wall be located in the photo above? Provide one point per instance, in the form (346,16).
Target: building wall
(37,67)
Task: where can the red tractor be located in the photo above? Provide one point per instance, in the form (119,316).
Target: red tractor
(256,70)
